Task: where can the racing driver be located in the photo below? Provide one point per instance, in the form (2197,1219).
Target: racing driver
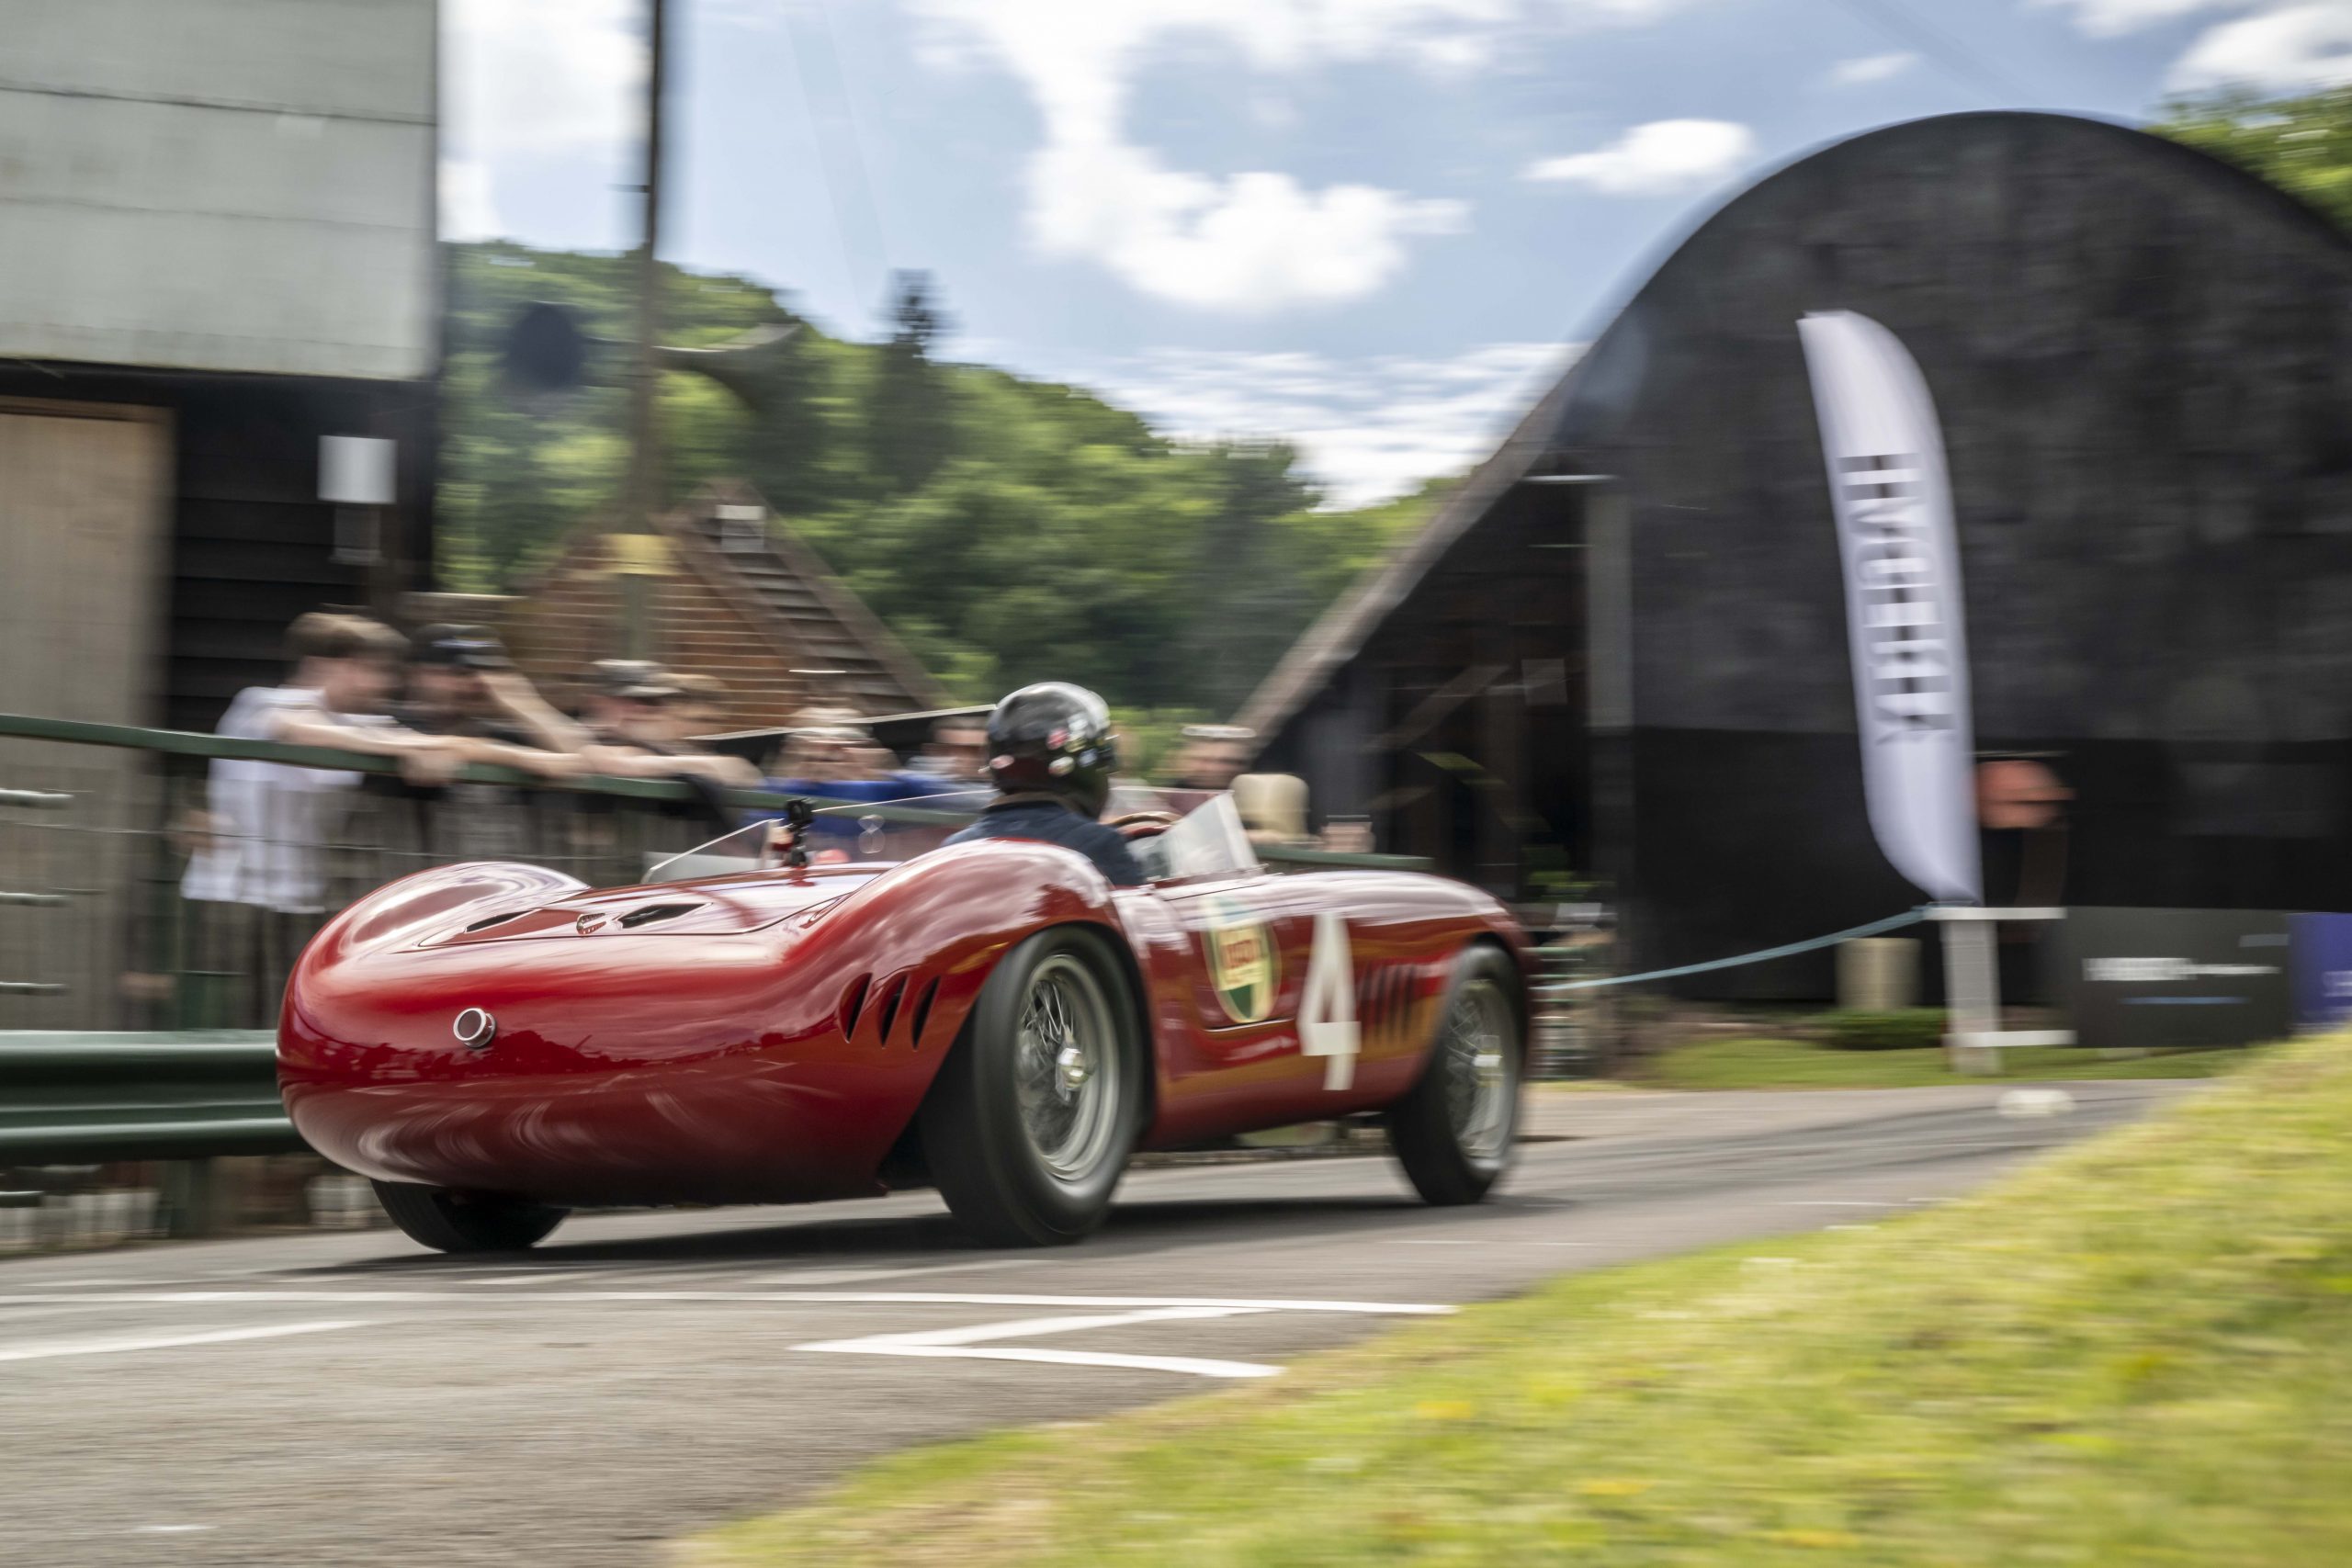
(1051,755)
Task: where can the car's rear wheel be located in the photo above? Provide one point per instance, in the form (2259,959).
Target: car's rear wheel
(1454,1131)
(1030,1124)
(464,1222)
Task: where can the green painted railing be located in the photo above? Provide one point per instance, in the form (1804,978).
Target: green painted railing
(187,743)
(87,1099)
(76,1096)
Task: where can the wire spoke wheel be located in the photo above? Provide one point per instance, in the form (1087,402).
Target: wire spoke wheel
(1479,1072)
(1453,1130)
(1068,1069)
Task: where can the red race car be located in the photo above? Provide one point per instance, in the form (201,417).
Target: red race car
(494,1044)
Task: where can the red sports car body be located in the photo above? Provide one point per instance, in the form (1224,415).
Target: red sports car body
(489,1041)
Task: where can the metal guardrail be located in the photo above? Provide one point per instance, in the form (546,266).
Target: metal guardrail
(90,1098)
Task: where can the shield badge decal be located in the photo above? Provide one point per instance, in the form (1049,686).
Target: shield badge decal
(1244,966)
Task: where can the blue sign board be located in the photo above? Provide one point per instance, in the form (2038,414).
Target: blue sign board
(2323,971)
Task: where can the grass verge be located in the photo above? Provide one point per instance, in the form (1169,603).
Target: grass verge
(1765,1062)
(2139,1352)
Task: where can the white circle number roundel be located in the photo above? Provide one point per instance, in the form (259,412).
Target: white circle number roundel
(1327,1013)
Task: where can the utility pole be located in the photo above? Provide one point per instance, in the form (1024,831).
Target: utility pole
(640,555)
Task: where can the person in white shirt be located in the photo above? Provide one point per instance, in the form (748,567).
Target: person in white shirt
(257,883)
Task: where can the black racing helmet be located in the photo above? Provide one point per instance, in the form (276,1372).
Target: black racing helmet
(1054,738)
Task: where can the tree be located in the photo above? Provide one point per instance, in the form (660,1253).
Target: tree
(1008,530)
(907,424)
(2303,145)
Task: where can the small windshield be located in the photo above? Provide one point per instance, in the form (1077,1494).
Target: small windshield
(1208,842)
(840,833)
(1208,839)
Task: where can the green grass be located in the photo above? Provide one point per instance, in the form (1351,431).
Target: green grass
(1771,1063)
(2136,1352)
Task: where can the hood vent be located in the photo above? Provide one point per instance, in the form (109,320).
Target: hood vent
(652,912)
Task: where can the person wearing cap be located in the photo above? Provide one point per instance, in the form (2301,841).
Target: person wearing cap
(630,734)
(1051,755)
(460,681)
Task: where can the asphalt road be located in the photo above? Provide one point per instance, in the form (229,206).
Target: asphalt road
(344,1398)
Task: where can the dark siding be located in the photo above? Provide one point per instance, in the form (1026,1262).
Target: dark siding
(2142,360)
(252,544)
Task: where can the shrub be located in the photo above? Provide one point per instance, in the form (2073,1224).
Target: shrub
(1908,1029)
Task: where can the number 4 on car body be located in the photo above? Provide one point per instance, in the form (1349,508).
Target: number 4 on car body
(1327,1013)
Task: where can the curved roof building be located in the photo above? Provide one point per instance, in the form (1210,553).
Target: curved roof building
(1621,648)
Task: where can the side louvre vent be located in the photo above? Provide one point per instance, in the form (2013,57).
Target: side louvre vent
(853,1004)
(892,994)
(923,1013)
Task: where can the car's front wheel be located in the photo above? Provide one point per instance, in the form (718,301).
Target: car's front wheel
(464,1222)
(1454,1131)
(1029,1126)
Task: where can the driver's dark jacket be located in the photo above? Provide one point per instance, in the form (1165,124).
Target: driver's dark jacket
(1048,819)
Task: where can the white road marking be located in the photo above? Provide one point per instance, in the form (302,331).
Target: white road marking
(959,1343)
(120,1344)
(1196,1366)
(170,1529)
(820,1298)
(809,1277)
(537,1276)
(1435,1241)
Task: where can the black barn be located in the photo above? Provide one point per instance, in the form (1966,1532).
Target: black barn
(1621,648)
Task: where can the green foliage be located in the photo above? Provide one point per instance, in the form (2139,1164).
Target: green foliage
(1008,530)
(1907,1029)
(2301,144)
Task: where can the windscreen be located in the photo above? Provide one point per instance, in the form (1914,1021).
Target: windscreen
(1208,842)
(1208,839)
(841,832)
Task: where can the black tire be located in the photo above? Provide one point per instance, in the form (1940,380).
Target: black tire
(1455,1130)
(991,1122)
(459,1221)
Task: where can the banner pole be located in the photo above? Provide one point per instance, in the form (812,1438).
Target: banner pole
(1971,994)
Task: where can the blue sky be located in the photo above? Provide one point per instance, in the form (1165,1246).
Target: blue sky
(1372,227)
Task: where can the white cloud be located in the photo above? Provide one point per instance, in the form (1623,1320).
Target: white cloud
(1871,68)
(2276,46)
(2288,48)
(1368,428)
(1252,241)
(524,79)
(1661,158)
(1256,242)
(2113,18)
(468,208)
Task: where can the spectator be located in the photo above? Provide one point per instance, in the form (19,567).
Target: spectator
(957,753)
(632,734)
(1213,756)
(257,873)
(819,748)
(829,756)
(700,707)
(461,682)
